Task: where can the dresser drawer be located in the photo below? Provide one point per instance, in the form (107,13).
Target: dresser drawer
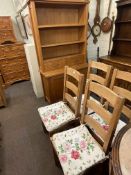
(5,23)
(5,62)
(7,35)
(16,76)
(14,68)
(1,52)
(13,51)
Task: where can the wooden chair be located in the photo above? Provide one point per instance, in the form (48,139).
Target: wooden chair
(119,75)
(95,72)
(77,148)
(124,92)
(59,114)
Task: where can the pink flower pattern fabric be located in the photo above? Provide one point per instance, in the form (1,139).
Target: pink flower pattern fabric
(105,126)
(54,115)
(77,150)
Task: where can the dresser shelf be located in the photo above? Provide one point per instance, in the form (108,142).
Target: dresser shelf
(59,26)
(62,44)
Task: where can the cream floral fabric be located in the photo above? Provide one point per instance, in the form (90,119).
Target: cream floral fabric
(77,150)
(55,114)
(82,103)
(120,124)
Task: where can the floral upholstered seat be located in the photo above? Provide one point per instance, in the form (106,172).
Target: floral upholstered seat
(120,124)
(55,115)
(77,150)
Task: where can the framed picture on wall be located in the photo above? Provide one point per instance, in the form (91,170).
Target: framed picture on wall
(27,23)
(21,26)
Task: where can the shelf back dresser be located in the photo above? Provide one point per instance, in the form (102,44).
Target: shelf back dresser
(60,32)
(120,56)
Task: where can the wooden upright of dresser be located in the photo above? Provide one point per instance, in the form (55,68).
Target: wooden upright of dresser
(121,52)
(13,63)
(60,32)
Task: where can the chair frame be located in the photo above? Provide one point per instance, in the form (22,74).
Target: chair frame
(99,66)
(126,76)
(97,78)
(110,118)
(77,91)
(73,104)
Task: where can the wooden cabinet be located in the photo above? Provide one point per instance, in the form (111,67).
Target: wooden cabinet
(13,63)
(12,55)
(120,57)
(60,32)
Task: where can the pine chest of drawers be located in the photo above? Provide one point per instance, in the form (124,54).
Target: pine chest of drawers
(13,63)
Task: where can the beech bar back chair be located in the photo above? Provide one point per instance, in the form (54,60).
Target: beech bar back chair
(95,72)
(99,66)
(59,114)
(124,92)
(77,148)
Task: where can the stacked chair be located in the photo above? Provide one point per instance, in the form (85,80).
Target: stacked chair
(77,148)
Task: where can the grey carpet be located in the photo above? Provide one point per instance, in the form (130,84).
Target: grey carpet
(25,150)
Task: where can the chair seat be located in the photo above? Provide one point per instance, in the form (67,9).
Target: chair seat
(120,124)
(77,150)
(55,115)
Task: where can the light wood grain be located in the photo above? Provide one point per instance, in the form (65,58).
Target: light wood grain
(60,37)
(110,118)
(126,93)
(77,89)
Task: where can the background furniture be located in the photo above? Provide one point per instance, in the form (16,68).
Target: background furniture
(13,63)
(12,55)
(60,30)
(121,52)
(120,162)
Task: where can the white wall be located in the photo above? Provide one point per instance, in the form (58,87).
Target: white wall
(103,39)
(7,9)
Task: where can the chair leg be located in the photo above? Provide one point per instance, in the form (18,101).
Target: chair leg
(44,129)
(56,159)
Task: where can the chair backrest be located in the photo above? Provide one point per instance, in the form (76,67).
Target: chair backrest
(103,68)
(111,118)
(123,91)
(73,86)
